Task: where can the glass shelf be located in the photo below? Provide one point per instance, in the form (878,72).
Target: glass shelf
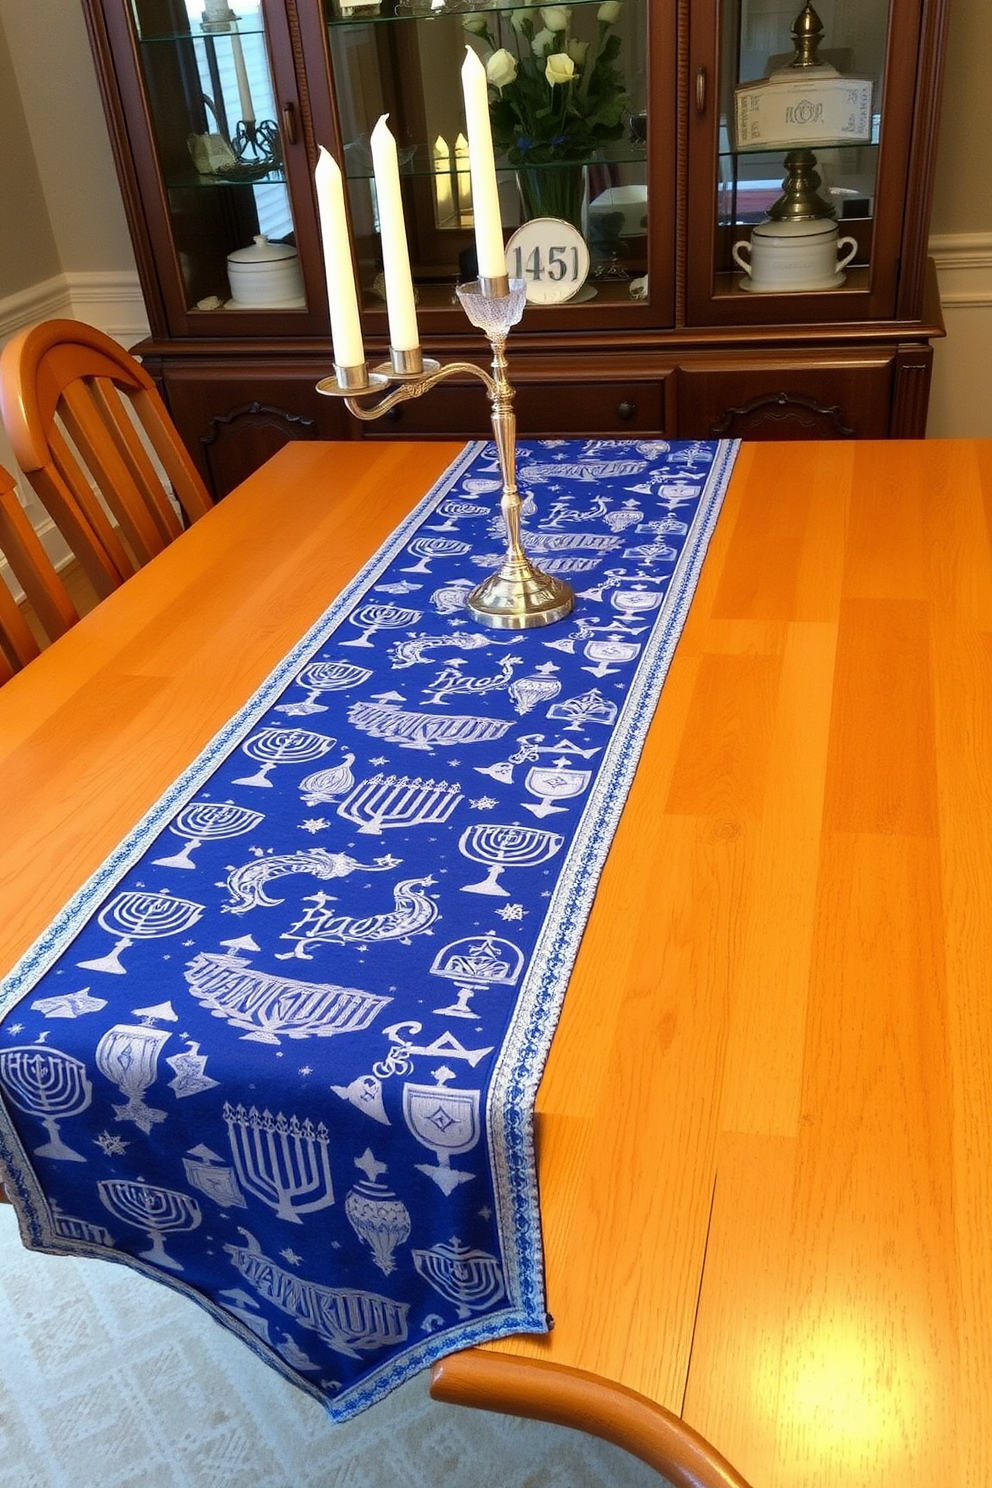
(198,32)
(192,180)
(419,160)
(391,12)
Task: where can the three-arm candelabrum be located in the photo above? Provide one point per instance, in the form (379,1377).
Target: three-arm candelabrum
(518,596)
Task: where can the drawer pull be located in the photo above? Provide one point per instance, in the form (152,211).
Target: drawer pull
(626,411)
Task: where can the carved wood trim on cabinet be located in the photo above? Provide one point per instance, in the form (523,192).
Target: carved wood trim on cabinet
(776,411)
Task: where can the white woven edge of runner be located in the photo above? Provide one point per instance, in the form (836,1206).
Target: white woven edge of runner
(520,1064)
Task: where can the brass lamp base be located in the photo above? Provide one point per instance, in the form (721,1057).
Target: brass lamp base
(520,597)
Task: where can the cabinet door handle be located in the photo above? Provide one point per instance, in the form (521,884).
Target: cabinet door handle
(289,123)
(700,90)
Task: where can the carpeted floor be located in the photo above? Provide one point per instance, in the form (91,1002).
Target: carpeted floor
(108,1380)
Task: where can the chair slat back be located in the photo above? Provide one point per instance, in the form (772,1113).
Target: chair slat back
(93,421)
(17,645)
(34,571)
(66,494)
(134,453)
(89,429)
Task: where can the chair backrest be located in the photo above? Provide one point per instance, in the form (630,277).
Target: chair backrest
(34,571)
(17,645)
(84,420)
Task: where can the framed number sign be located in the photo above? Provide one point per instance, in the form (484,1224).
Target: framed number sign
(551,257)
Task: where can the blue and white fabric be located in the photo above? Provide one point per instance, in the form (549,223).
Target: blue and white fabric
(281,1052)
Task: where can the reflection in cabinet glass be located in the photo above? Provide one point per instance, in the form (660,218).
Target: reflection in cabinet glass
(818,114)
(210,94)
(800,125)
(575,150)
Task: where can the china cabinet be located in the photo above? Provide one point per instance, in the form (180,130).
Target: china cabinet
(704,122)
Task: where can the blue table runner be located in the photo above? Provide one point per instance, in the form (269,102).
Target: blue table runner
(281,1052)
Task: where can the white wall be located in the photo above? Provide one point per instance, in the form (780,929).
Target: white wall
(50,53)
(961,395)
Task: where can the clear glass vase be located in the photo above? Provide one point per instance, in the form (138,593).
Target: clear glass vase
(553,191)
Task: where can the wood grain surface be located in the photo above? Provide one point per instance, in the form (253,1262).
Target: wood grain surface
(765,1128)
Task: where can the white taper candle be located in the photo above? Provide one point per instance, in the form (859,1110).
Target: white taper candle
(400,305)
(241,73)
(342,296)
(485,194)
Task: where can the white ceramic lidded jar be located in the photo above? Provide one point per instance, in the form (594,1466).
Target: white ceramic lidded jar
(265,276)
(793,256)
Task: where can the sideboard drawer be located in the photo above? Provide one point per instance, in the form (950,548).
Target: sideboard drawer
(595,408)
(544,409)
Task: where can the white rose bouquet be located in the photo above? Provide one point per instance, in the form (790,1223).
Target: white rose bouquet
(554,97)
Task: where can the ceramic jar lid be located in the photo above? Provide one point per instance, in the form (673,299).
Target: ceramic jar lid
(265,275)
(262,251)
(804,227)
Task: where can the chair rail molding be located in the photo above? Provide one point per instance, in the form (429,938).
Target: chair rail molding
(38,302)
(964,268)
(962,365)
(109,300)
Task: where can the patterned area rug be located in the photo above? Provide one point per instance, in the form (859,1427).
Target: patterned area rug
(108,1380)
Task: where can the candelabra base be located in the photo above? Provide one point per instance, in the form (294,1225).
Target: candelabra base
(520,597)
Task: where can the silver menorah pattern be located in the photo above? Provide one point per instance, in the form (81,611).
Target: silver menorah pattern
(425,549)
(391,801)
(472,1279)
(281,1160)
(373,617)
(323,676)
(135,915)
(281,746)
(50,1085)
(503,846)
(207,821)
(154,1210)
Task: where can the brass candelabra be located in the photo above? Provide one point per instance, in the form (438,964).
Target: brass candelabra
(518,596)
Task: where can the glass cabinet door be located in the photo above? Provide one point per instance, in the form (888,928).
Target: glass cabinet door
(799,146)
(218,139)
(590,163)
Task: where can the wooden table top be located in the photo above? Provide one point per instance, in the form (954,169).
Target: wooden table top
(765,1128)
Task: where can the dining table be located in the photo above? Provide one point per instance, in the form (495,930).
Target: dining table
(764,1129)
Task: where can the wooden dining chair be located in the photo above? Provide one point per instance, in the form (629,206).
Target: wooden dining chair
(585,1402)
(94,438)
(35,573)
